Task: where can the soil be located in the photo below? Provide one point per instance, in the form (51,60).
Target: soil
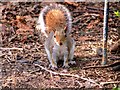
(22,53)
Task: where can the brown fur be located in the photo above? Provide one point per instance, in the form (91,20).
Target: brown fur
(60,36)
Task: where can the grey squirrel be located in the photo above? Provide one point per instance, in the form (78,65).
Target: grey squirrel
(55,23)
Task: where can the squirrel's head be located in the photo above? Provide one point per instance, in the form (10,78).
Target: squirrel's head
(60,37)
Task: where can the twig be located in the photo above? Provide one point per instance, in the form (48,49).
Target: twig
(70,75)
(56,73)
(103,66)
(11,48)
(76,20)
(91,14)
(96,9)
(2,55)
(104,83)
(110,58)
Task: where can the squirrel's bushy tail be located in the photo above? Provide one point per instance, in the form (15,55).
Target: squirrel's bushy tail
(46,9)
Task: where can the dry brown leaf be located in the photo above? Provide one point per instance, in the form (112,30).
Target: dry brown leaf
(92,24)
(24,32)
(71,3)
(85,38)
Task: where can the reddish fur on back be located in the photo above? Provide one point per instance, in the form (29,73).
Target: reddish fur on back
(55,20)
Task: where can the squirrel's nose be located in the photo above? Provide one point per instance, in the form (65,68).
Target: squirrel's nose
(60,43)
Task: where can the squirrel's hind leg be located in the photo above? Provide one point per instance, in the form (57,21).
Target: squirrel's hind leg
(65,63)
(71,47)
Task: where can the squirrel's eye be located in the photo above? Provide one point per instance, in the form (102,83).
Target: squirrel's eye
(54,36)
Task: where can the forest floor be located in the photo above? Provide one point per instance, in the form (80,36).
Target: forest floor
(24,61)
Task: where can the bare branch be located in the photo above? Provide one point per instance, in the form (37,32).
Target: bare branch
(70,75)
(14,48)
(112,82)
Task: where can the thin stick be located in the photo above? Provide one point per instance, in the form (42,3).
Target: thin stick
(14,48)
(112,82)
(56,73)
(70,75)
(103,66)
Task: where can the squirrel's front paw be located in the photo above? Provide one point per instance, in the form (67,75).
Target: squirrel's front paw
(53,67)
(38,27)
(66,65)
(72,62)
